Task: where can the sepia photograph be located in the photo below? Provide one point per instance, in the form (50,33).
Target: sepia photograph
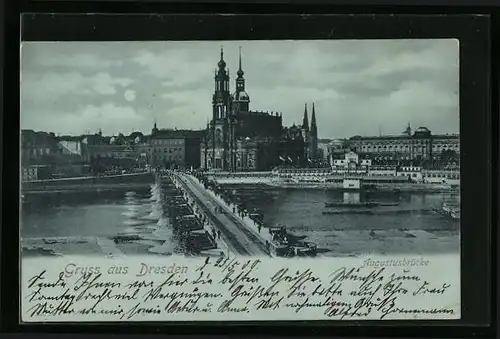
(340,148)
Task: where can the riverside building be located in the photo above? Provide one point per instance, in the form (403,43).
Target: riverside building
(411,148)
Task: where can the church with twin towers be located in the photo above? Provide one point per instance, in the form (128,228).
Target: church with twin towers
(238,138)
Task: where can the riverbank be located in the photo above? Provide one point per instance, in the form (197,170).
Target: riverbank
(406,187)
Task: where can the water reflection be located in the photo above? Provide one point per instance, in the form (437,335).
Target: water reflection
(134,220)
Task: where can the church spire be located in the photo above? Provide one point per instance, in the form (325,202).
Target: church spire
(222,63)
(305,120)
(155,129)
(314,128)
(241,95)
(240,72)
(313,137)
(408,129)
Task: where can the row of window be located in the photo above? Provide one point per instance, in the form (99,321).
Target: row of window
(113,155)
(409,141)
(407,147)
(29,177)
(419,156)
(169,157)
(363,162)
(168,141)
(411,169)
(221,86)
(40,151)
(448,176)
(412,175)
(168,150)
(29,171)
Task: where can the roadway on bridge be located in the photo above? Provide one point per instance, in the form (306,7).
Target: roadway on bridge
(243,241)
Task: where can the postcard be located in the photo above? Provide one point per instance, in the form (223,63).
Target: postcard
(240,180)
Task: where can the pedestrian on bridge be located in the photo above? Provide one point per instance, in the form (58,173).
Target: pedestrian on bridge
(218,234)
(259,227)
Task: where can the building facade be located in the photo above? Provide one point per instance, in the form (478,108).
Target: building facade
(37,148)
(173,148)
(35,172)
(45,155)
(240,139)
(418,148)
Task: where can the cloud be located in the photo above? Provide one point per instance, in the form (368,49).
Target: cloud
(431,59)
(178,68)
(63,55)
(80,61)
(358,86)
(51,86)
(111,119)
(129,95)
(110,112)
(422,95)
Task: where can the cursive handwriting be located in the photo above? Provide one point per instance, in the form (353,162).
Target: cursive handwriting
(236,289)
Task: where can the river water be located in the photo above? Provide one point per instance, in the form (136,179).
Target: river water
(409,227)
(417,230)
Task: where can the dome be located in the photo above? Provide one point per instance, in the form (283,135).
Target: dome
(422,129)
(241,96)
(336,143)
(222,63)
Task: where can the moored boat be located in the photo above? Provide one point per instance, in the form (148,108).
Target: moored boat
(449,210)
(288,245)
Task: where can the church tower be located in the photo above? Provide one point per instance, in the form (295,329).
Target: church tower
(155,129)
(313,136)
(305,124)
(305,133)
(240,103)
(241,100)
(221,110)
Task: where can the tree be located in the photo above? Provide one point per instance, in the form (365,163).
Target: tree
(120,139)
